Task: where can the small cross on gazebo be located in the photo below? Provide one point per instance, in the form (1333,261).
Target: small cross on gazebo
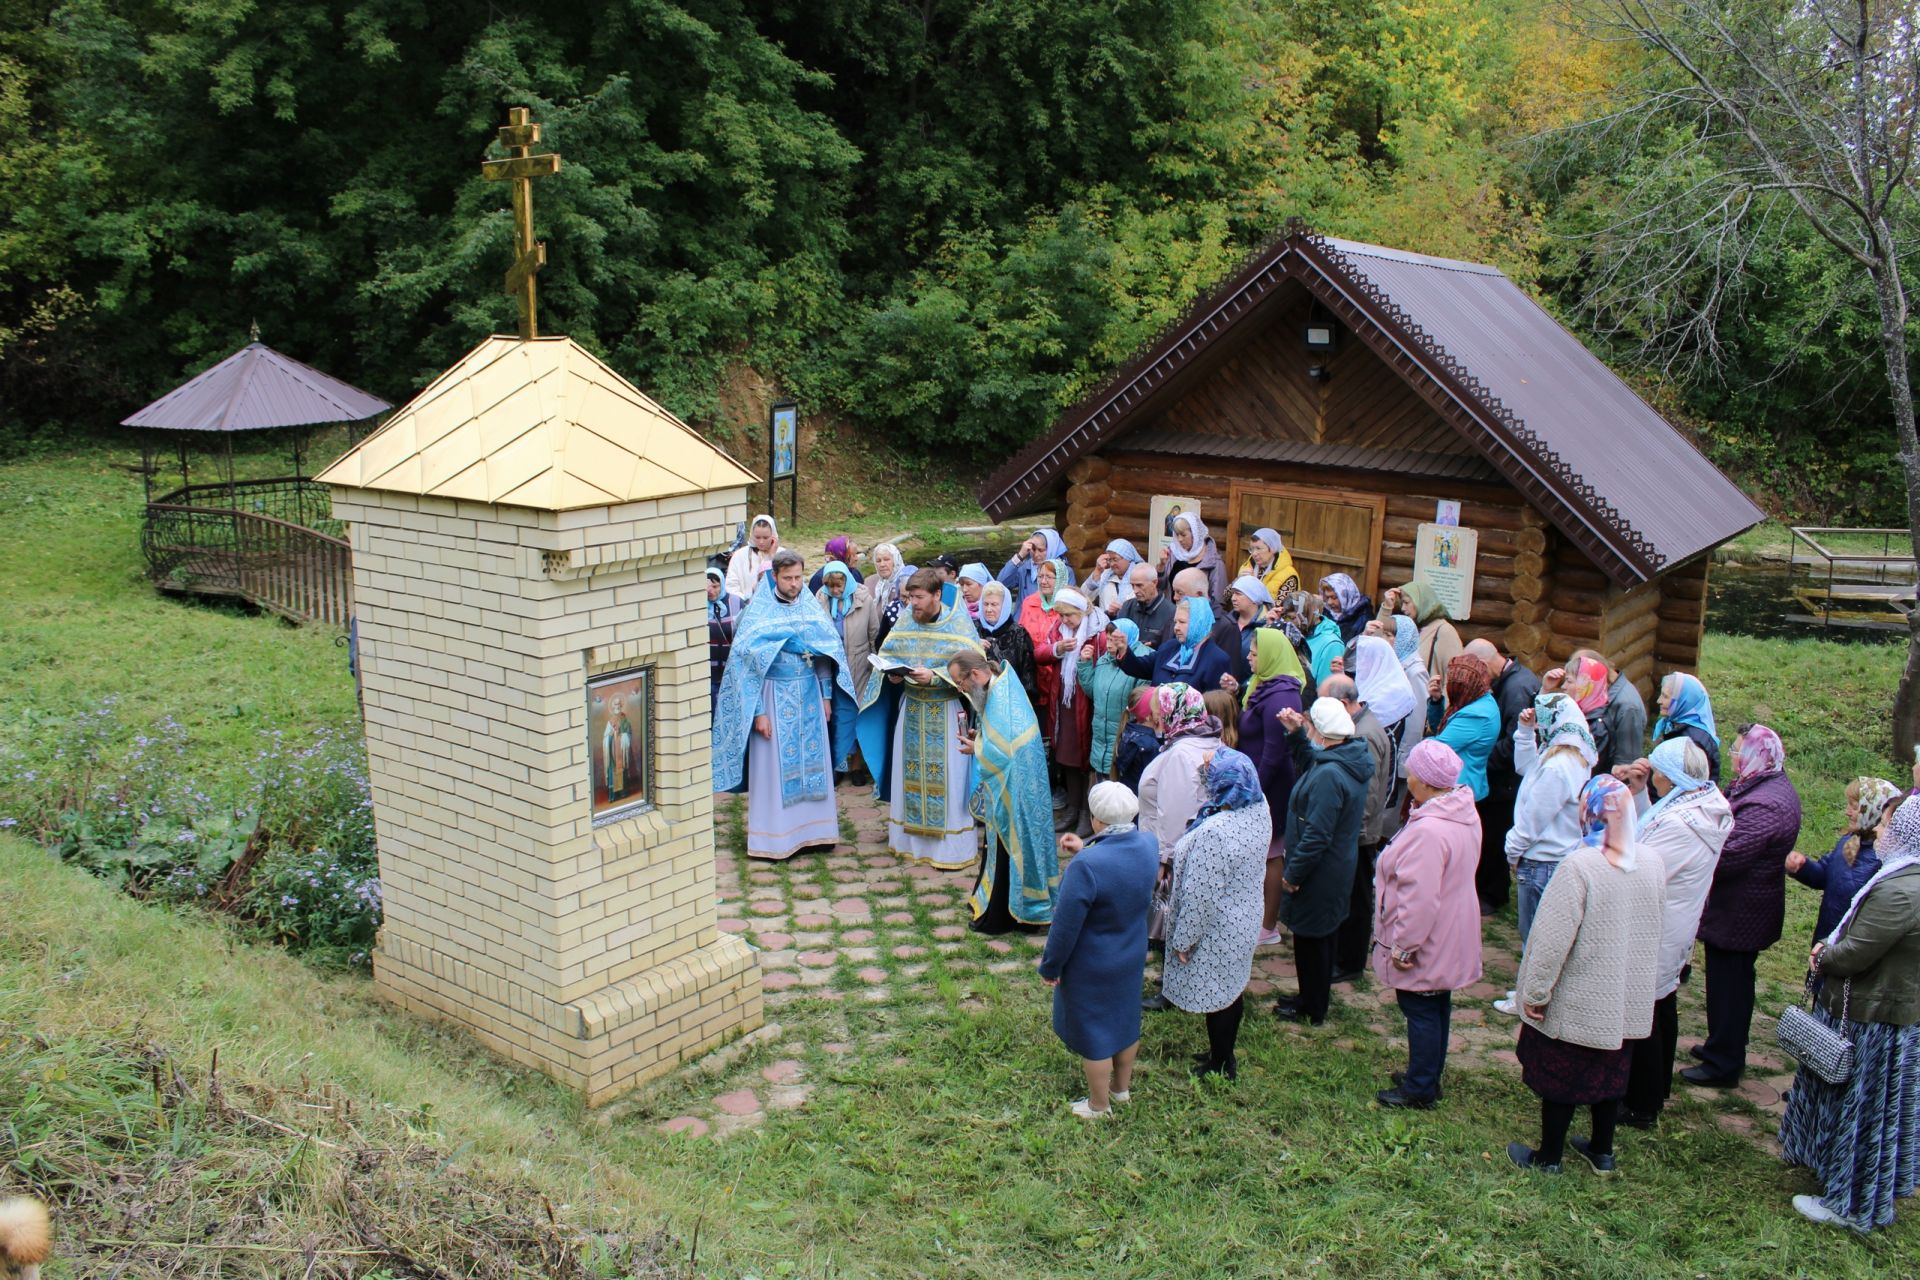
(519,137)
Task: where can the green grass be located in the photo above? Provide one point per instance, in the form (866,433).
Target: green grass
(938,1147)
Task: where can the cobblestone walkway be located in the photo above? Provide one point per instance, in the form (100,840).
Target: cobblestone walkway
(861,924)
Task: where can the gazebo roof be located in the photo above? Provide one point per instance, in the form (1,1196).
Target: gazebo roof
(535,423)
(257,389)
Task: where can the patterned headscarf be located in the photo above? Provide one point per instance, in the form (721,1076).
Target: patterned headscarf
(1345,591)
(1603,797)
(1182,713)
(1406,638)
(1557,722)
(1758,753)
(1467,682)
(1900,850)
(1587,684)
(1199,532)
(1060,579)
(1199,628)
(1688,705)
(1875,794)
(1232,783)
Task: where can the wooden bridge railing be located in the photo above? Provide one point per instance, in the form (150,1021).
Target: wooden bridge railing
(195,542)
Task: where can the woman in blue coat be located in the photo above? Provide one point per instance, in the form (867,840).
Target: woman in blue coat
(1096,952)
(1187,656)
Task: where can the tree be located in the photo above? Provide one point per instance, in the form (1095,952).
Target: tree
(1744,122)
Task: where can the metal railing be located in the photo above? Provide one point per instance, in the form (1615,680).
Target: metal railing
(1861,579)
(194,542)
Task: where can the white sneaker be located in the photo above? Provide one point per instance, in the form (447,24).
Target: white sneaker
(1813,1211)
(1120,1095)
(1085,1112)
(1507,1005)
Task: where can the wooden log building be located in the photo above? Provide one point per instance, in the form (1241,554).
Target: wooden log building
(1337,392)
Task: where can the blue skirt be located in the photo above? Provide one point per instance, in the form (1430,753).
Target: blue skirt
(1861,1138)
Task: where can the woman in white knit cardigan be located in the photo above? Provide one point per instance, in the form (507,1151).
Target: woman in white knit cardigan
(1587,980)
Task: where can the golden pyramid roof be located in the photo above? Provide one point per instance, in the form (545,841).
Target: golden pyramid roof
(535,423)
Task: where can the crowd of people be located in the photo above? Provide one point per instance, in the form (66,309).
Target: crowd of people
(1227,763)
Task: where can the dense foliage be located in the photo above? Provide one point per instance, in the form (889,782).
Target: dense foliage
(943,220)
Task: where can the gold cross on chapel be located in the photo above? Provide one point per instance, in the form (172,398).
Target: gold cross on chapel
(520,169)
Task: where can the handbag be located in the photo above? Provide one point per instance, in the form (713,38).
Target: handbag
(1815,1045)
(1159,909)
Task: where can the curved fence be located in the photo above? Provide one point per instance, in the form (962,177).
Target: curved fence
(271,542)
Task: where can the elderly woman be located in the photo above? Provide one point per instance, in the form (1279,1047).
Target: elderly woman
(1470,722)
(841,548)
(1108,587)
(1041,621)
(1346,604)
(1586,981)
(1687,711)
(1685,825)
(1332,770)
(1021,572)
(888,586)
(1215,913)
(1006,641)
(1275,687)
(1426,917)
(1096,950)
(839,595)
(1861,1139)
(1247,602)
(1172,788)
(1269,561)
(1192,548)
(1067,716)
(1747,904)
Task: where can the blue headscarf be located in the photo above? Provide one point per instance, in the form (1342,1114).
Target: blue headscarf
(1124,549)
(1670,759)
(974,571)
(1595,799)
(1232,782)
(1131,630)
(1406,638)
(836,606)
(1199,628)
(1690,706)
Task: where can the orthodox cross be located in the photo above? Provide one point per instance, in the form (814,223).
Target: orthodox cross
(520,169)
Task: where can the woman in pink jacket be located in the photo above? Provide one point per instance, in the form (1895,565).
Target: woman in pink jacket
(1426,917)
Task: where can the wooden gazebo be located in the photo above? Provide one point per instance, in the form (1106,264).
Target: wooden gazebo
(1350,396)
(269,541)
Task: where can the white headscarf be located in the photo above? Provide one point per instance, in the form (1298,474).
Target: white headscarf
(885,588)
(1114,804)
(1092,623)
(1199,532)
(1382,681)
(1331,719)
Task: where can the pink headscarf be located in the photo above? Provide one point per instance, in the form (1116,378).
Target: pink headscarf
(1587,684)
(1434,763)
(1758,753)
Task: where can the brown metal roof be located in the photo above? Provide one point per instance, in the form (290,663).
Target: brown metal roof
(256,389)
(1544,412)
(1405,462)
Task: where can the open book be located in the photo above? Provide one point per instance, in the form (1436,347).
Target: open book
(885,666)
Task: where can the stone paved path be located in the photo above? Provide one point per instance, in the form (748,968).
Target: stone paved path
(860,924)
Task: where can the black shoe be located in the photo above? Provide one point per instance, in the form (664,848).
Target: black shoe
(1639,1119)
(1346,975)
(1202,1058)
(860,777)
(1697,1052)
(1602,1164)
(1523,1155)
(1395,1098)
(1155,1002)
(1707,1078)
(1287,1004)
(839,777)
(1228,1068)
(1399,1079)
(1293,1013)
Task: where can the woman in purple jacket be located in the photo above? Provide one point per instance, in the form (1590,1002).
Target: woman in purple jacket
(1276,684)
(1747,903)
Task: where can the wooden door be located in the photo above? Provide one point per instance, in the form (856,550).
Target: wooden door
(1327,530)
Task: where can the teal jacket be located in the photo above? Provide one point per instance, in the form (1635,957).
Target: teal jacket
(1471,733)
(1111,690)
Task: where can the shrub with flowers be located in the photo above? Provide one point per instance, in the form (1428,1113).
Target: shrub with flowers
(291,847)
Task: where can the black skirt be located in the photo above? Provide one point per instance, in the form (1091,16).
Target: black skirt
(1572,1074)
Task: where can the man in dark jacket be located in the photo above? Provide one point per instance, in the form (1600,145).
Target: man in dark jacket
(1324,815)
(1514,689)
(1149,609)
(1353,945)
